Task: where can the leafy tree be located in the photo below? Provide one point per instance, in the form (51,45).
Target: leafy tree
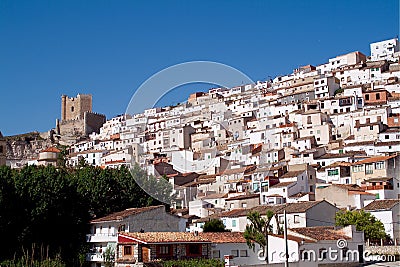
(109,256)
(364,221)
(51,207)
(214,225)
(258,230)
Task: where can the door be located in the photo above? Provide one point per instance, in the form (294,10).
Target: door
(360,253)
(145,254)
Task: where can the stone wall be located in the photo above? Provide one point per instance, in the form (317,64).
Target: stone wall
(73,108)
(93,122)
(383,250)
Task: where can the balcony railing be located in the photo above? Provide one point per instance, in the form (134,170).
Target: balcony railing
(110,237)
(378,187)
(94,257)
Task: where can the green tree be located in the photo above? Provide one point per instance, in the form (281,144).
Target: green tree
(364,221)
(258,229)
(109,256)
(214,225)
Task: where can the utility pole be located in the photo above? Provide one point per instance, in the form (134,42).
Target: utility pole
(286,242)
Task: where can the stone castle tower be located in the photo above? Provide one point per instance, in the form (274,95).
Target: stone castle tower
(74,108)
(77,119)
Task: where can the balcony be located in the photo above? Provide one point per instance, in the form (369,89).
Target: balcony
(377,187)
(101,238)
(94,257)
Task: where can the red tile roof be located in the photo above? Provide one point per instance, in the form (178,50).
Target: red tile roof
(125,213)
(51,149)
(224,237)
(321,233)
(243,197)
(165,237)
(374,159)
(385,204)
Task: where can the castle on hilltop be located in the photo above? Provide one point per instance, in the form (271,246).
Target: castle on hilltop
(77,118)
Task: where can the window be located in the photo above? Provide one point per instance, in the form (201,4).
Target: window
(386,136)
(366,97)
(234,223)
(358,168)
(333,172)
(243,253)
(371,128)
(296,219)
(377,96)
(216,254)
(280,218)
(369,168)
(164,250)
(235,253)
(127,250)
(379,165)
(72,109)
(121,228)
(244,205)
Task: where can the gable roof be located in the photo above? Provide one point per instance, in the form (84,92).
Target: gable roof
(165,237)
(321,232)
(291,174)
(51,149)
(224,237)
(116,216)
(385,204)
(373,159)
(240,197)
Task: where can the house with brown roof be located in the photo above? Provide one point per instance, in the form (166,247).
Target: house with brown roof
(388,212)
(382,187)
(337,173)
(104,230)
(376,167)
(300,178)
(49,156)
(301,214)
(348,196)
(319,246)
(242,201)
(135,249)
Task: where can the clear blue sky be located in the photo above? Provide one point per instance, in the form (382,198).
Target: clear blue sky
(108,48)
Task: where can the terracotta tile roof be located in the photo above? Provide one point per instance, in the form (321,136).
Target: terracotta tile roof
(125,213)
(51,149)
(283,184)
(291,174)
(385,204)
(373,159)
(243,197)
(336,164)
(340,155)
(165,237)
(214,196)
(224,237)
(238,170)
(360,193)
(350,187)
(321,233)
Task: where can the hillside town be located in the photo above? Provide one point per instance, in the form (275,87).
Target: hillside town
(305,145)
